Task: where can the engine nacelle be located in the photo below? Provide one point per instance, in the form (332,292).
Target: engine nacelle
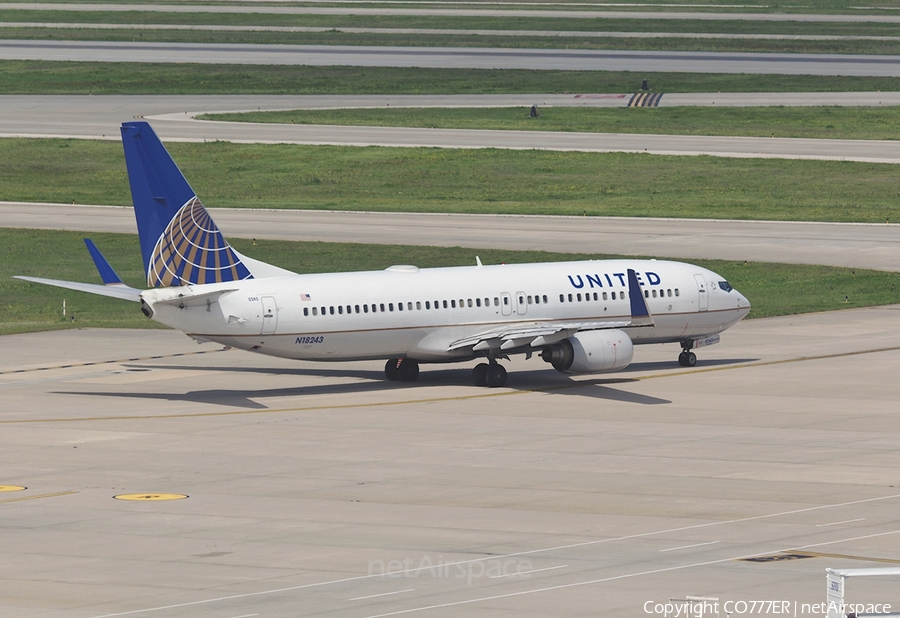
(593,351)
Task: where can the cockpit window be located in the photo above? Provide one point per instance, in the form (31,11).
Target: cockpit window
(725,286)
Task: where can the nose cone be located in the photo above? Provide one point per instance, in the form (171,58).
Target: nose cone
(743,305)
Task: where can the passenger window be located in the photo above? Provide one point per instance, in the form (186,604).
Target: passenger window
(419,305)
(365,308)
(470,302)
(323,310)
(646,293)
(676,292)
(595,296)
(390,307)
(427,304)
(505,300)
(477,302)
(521,300)
(605,296)
(562,298)
(462,303)
(537,298)
(315,311)
(382,307)
(409,306)
(306,311)
(445,304)
(496,302)
(545,298)
(654,293)
(399,306)
(331,310)
(669,293)
(452,304)
(570,298)
(341,309)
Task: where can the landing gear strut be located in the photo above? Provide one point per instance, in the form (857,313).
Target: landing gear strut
(402,369)
(491,374)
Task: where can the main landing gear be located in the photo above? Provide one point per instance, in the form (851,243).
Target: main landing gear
(402,369)
(491,374)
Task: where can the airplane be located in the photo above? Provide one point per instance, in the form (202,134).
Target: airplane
(580,316)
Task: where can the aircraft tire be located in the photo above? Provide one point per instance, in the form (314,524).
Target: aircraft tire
(408,370)
(392,369)
(480,373)
(687,359)
(496,375)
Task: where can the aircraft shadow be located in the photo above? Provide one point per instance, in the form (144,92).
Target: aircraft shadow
(701,364)
(543,380)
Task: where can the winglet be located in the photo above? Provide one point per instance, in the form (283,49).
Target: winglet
(640,314)
(106,271)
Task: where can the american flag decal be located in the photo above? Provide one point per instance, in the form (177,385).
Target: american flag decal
(305,297)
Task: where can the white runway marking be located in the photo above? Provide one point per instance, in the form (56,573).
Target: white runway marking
(383,594)
(562,566)
(837,523)
(615,577)
(536,551)
(687,546)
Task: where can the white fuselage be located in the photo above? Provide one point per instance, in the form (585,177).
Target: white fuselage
(405,312)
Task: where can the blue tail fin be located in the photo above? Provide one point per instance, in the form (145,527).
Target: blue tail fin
(180,243)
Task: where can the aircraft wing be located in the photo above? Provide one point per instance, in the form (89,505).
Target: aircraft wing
(537,334)
(115,291)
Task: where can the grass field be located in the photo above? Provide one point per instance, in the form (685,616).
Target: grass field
(412,39)
(808,122)
(633,23)
(38,77)
(773,289)
(475,181)
(718,6)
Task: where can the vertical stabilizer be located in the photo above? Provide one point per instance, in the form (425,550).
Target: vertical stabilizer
(180,243)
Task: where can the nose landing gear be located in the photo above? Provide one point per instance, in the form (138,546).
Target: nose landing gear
(687,359)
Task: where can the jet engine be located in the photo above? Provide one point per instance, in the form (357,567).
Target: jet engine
(593,351)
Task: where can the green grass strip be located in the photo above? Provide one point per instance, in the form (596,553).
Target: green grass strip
(412,39)
(871,123)
(773,289)
(470,181)
(448,22)
(40,77)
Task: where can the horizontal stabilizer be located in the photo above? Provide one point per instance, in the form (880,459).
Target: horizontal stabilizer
(115,291)
(193,300)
